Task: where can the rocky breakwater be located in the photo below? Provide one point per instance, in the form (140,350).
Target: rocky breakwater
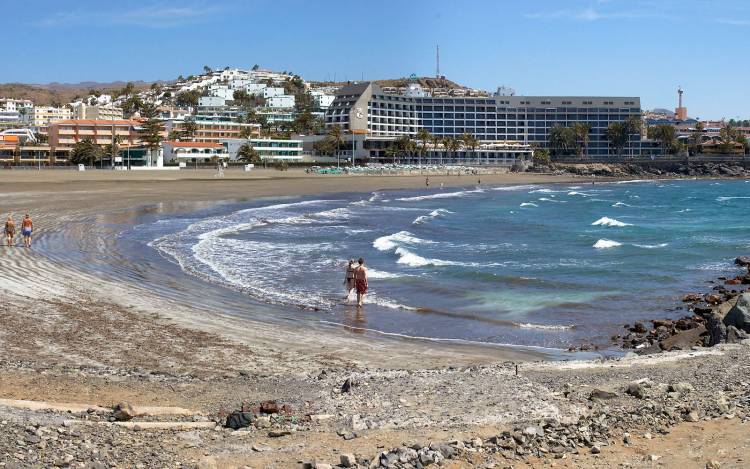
(721,315)
(647,170)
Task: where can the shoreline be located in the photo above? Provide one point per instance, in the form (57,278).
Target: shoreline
(78,337)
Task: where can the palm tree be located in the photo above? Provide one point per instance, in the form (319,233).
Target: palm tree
(391,152)
(334,134)
(436,140)
(247,154)
(697,138)
(617,135)
(562,138)
(471,142)
(424,136)
(582,131)
(452,144)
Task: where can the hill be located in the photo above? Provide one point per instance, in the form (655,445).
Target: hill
(61,93)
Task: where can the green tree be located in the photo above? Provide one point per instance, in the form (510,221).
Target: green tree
(188,98)
(189,128)
(424,136)
(207,69)
(541,157)
(666,135)
(85,151)
(152,128)
(617,135)
(582,130)
(256,67)
(562,139)
(404,145)
(391,152)
(247,154)
(469,141)
(696,138)
(334,134)
(241,97)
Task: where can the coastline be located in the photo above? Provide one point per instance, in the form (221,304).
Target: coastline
(78,337)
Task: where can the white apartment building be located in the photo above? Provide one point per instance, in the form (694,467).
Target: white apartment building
(9,117)
(212,101)
(270,92)
(222,91)
(255,88)
(322,100)
(41,116)
(10,104)
(284,101)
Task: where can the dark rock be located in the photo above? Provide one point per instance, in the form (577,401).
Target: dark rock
(684,340)
(269,407)
(717,331)
(237,420)
(739,315)
(279,433)
(602,394)
(637,390)
(735,336)
(347,386)
(743,261)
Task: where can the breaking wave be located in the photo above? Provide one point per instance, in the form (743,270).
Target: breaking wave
(606,221)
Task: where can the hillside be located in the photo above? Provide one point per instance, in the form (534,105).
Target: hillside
(425,82)
(60,93)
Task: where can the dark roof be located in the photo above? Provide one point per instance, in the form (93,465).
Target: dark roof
(353,88)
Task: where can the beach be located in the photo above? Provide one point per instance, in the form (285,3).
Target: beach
(87,336)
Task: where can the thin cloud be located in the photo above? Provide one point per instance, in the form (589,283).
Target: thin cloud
(155,15)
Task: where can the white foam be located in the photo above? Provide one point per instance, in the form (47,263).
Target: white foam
(442,195)
(547,327)
(725,199)
(606,244)
(379,274)
(513,188)
(431,216)
(545,199)
(386,243)
(543,191)
(635,181)
(651,246)
(407,257)
(606,221)
(579,193)
(621,204)
(529,204)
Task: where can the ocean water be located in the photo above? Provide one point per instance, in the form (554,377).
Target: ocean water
(549,266)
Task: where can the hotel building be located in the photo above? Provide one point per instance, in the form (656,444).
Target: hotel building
(210,131)
(368,114)
(40,117)
(268,149)
(97,112)
(66,133)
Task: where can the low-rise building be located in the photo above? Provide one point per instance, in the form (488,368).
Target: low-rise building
(211,101)
(284,101)
(81,110)
(270,92)
(255,88)
(65,134)
(11,104)
(322,100)
(268,149)
(211,131)
(193,152)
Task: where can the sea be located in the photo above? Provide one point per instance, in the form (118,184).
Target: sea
(541,266)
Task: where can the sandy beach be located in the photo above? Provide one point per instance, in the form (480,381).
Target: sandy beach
(80,336)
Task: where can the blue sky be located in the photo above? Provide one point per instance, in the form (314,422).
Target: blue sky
(551,47)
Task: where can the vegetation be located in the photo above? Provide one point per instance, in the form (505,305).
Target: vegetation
(85,151)
(562,140)
(541,157)
(618,134)
(152,127)
(188,98)
(666,135)
(581,130)
(247,154)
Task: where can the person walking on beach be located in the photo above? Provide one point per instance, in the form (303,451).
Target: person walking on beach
(349,278)
(10,230)
(360,281)
(27,228)
(427,181)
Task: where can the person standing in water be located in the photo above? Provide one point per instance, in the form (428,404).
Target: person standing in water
(360,281)
(10,230)
(349,278)
(27,228)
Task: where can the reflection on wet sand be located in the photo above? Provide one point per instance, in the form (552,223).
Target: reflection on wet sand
(355,320)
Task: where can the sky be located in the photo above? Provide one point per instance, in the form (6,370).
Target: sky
(643,48)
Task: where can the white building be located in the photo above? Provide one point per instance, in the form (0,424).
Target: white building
(10,104)
(193,152)
(255,88)
(41,116)
(212,101)
(222,91)
(98,112)
(9,116)
(268,149)
(322,100)
(284,101)
(270,92)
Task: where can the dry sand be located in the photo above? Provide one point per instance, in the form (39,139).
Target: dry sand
(70,337)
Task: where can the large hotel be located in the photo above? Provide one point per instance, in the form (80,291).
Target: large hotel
(374,118)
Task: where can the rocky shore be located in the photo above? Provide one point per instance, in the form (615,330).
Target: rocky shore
(647,170)
(721,315)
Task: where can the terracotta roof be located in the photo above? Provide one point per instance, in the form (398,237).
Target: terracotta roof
(102,122)
(194,144)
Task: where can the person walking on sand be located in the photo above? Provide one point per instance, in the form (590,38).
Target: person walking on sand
(360,281)
(349,278)
(27,228)
(427,181)
(10,230)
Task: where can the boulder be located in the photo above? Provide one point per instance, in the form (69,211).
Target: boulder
(237,420)
(736,336)
(739,315)
(684,340)
(637,390)
(269,407)
(123,412)
(743,261)
(691,298)
(602,394)
(348,460)
(717,331)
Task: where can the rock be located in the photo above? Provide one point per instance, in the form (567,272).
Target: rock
(320,417)
(269,407)
(743,261)
(123,412)
(533,431)
(736,336)
(717,331)
(681,388)
(348,460)
(347,386)
(713,464)
(638,328)
(259,448)
(653,457)
(602,394)
(692,416)
(739,315)
(712,298)
(237,420)
(637,390)
(691,298)
(279,433)
(595,450)
(684,340)
(321,465)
